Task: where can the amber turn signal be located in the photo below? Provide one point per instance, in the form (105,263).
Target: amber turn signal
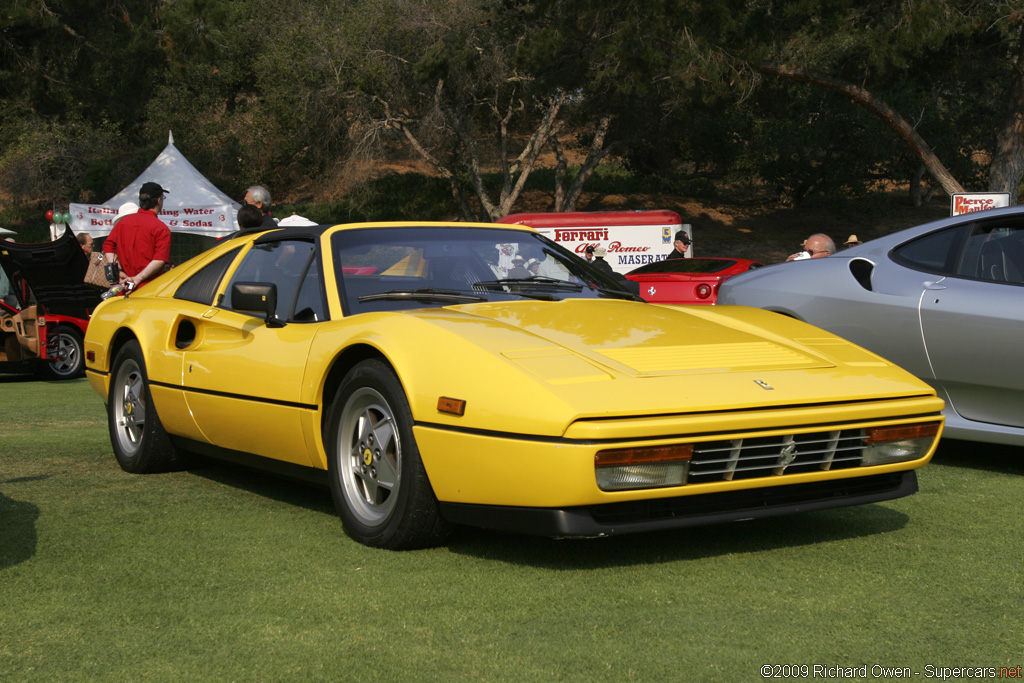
(452,406)
(902,432)
(617,457)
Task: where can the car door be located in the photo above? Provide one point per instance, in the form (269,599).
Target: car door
(244,377)
(973,324)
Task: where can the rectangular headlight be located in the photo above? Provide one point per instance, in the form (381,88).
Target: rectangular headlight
(899,443)
(620,469)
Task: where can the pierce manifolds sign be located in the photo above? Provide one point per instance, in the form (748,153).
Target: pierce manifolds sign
(969,202)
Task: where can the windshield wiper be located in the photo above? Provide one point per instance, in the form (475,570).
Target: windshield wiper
(424,294)
(617,293)
(531,283)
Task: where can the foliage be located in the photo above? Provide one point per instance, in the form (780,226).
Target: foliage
(70,160)
(925,58)
(309,98)
(392,197)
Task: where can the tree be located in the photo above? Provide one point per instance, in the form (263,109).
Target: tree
(76,58)
(843,46)
(445,79)
(448,79)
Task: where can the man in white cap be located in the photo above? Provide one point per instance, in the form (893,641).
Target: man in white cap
(518,270)
(599,262)
(140,241)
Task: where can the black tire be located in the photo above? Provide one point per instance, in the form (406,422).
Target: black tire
(140,443)
(70,361)
(377,479)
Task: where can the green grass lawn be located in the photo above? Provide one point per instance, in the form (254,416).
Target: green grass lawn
(224,574)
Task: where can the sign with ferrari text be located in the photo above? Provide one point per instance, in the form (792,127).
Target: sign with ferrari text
(629,238)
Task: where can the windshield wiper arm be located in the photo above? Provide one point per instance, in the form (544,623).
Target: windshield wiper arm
(618,293)
(424,294)
(531,283)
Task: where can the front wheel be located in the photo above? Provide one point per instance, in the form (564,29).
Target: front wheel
(377,479)
(69,360)
(140,443)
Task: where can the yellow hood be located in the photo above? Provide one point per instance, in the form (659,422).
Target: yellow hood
(535,367)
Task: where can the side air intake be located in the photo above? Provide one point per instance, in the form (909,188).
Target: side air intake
(861,269)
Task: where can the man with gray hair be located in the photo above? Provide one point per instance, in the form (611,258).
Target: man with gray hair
(818,245)
(259,196)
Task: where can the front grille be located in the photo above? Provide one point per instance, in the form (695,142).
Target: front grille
(766,456)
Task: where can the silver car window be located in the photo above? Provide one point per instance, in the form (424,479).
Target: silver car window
(994,252)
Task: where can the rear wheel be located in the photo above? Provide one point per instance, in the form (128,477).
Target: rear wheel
(69,360)
(377,479)
(140,443)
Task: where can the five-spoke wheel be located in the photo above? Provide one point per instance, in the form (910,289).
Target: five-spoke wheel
(377,478)
(139,441)
(69,360)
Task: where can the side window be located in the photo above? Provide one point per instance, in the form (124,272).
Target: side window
(994,252)
(933,253)
(201,287)
(287,264)
(309,301)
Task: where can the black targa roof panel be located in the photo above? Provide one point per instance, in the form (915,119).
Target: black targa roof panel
(55,272)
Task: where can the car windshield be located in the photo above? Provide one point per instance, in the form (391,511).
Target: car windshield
(414,267)
(684,265)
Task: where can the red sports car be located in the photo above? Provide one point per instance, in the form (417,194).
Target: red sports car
(688,280)
(44,317)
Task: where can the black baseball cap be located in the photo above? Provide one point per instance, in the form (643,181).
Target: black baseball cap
(151,191)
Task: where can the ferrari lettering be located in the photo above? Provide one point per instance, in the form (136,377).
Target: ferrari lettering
(574,235)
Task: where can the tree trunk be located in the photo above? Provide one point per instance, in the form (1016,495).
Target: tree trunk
(915,185)
(1007,168)
(887,114)
(595,154)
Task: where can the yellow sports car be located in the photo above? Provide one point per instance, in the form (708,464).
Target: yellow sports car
(431,380)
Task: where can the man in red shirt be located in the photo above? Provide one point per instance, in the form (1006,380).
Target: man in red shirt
(140,241)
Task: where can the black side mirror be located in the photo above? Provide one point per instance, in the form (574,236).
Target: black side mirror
(256,297)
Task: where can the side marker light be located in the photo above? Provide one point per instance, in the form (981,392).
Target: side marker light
(452,406)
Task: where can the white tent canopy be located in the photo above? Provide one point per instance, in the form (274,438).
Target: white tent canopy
(192,204)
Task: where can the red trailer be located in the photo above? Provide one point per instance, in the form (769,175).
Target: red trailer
(631,238)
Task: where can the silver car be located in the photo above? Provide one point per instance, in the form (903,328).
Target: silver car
(944,300)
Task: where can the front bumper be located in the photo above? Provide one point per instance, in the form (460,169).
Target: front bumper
(516,471)
(683,511)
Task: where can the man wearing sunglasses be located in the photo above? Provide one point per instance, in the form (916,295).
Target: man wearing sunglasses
(817,245)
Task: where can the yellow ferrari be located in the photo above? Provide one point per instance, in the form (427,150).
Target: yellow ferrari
(431,379)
